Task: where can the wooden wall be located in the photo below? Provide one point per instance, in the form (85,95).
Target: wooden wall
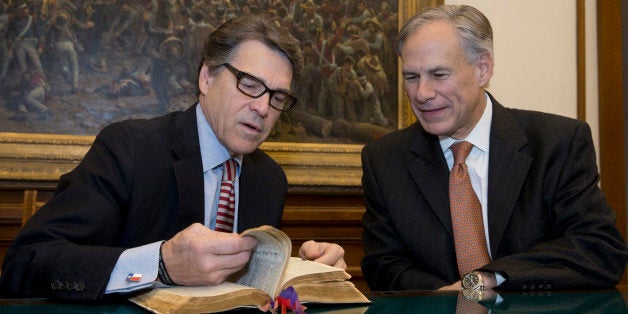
(330,218)
(11,204)
(309,214)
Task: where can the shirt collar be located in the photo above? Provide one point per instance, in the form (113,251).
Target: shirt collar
(213,153)
(480,134)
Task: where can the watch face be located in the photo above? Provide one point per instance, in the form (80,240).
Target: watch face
(471,281)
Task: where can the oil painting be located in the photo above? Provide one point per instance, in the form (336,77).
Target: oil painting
(72,67)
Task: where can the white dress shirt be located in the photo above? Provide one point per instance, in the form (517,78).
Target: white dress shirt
(477,161)
(477,164)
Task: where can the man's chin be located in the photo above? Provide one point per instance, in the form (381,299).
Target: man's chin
(438,129)
(244,147)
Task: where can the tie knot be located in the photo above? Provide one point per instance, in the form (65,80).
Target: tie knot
(229,170)
(461,150)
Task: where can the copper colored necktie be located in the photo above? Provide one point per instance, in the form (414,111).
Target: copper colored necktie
(466,214)
(226,200)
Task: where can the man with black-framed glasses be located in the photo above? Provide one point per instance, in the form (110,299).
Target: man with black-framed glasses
(254,87)
(147,199)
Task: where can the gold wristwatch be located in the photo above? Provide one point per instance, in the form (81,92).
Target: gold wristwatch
(477,280)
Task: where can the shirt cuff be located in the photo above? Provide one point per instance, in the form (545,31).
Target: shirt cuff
(499,279)
(140,262)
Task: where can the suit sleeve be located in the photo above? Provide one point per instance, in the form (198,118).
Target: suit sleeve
(582,248)
(386,265)
(66,249)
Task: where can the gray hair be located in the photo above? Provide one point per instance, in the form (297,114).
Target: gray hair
(473,28)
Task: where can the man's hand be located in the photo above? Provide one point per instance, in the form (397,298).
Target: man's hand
(200,256)
(455,286)
(323,252)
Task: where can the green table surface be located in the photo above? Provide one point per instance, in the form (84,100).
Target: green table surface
(577,301)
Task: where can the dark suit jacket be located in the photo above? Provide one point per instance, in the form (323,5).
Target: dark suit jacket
(549,223)
(140,182)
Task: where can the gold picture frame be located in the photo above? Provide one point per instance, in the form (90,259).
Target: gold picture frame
(38,160)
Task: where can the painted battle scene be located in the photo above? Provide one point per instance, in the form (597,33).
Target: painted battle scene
(72,67)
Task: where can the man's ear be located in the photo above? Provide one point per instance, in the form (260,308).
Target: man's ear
(204,78)
(485,67)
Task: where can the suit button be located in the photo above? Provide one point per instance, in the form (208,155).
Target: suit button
(56,285)
(80,286)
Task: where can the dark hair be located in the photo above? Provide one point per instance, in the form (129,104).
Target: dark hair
(222,44)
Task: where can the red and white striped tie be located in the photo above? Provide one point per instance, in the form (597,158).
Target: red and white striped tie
(226,200)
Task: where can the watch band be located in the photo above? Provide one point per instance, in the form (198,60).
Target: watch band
(162,273)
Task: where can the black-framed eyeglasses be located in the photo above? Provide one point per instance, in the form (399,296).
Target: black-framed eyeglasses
(254,87)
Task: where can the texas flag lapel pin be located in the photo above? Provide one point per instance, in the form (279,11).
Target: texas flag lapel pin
(134,277)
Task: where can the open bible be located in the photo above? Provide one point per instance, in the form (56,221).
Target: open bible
(269,271)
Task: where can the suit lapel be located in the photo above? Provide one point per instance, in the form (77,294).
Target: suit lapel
(508,167)
(428,168)
(250,206)
(188,169)
(246,207)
